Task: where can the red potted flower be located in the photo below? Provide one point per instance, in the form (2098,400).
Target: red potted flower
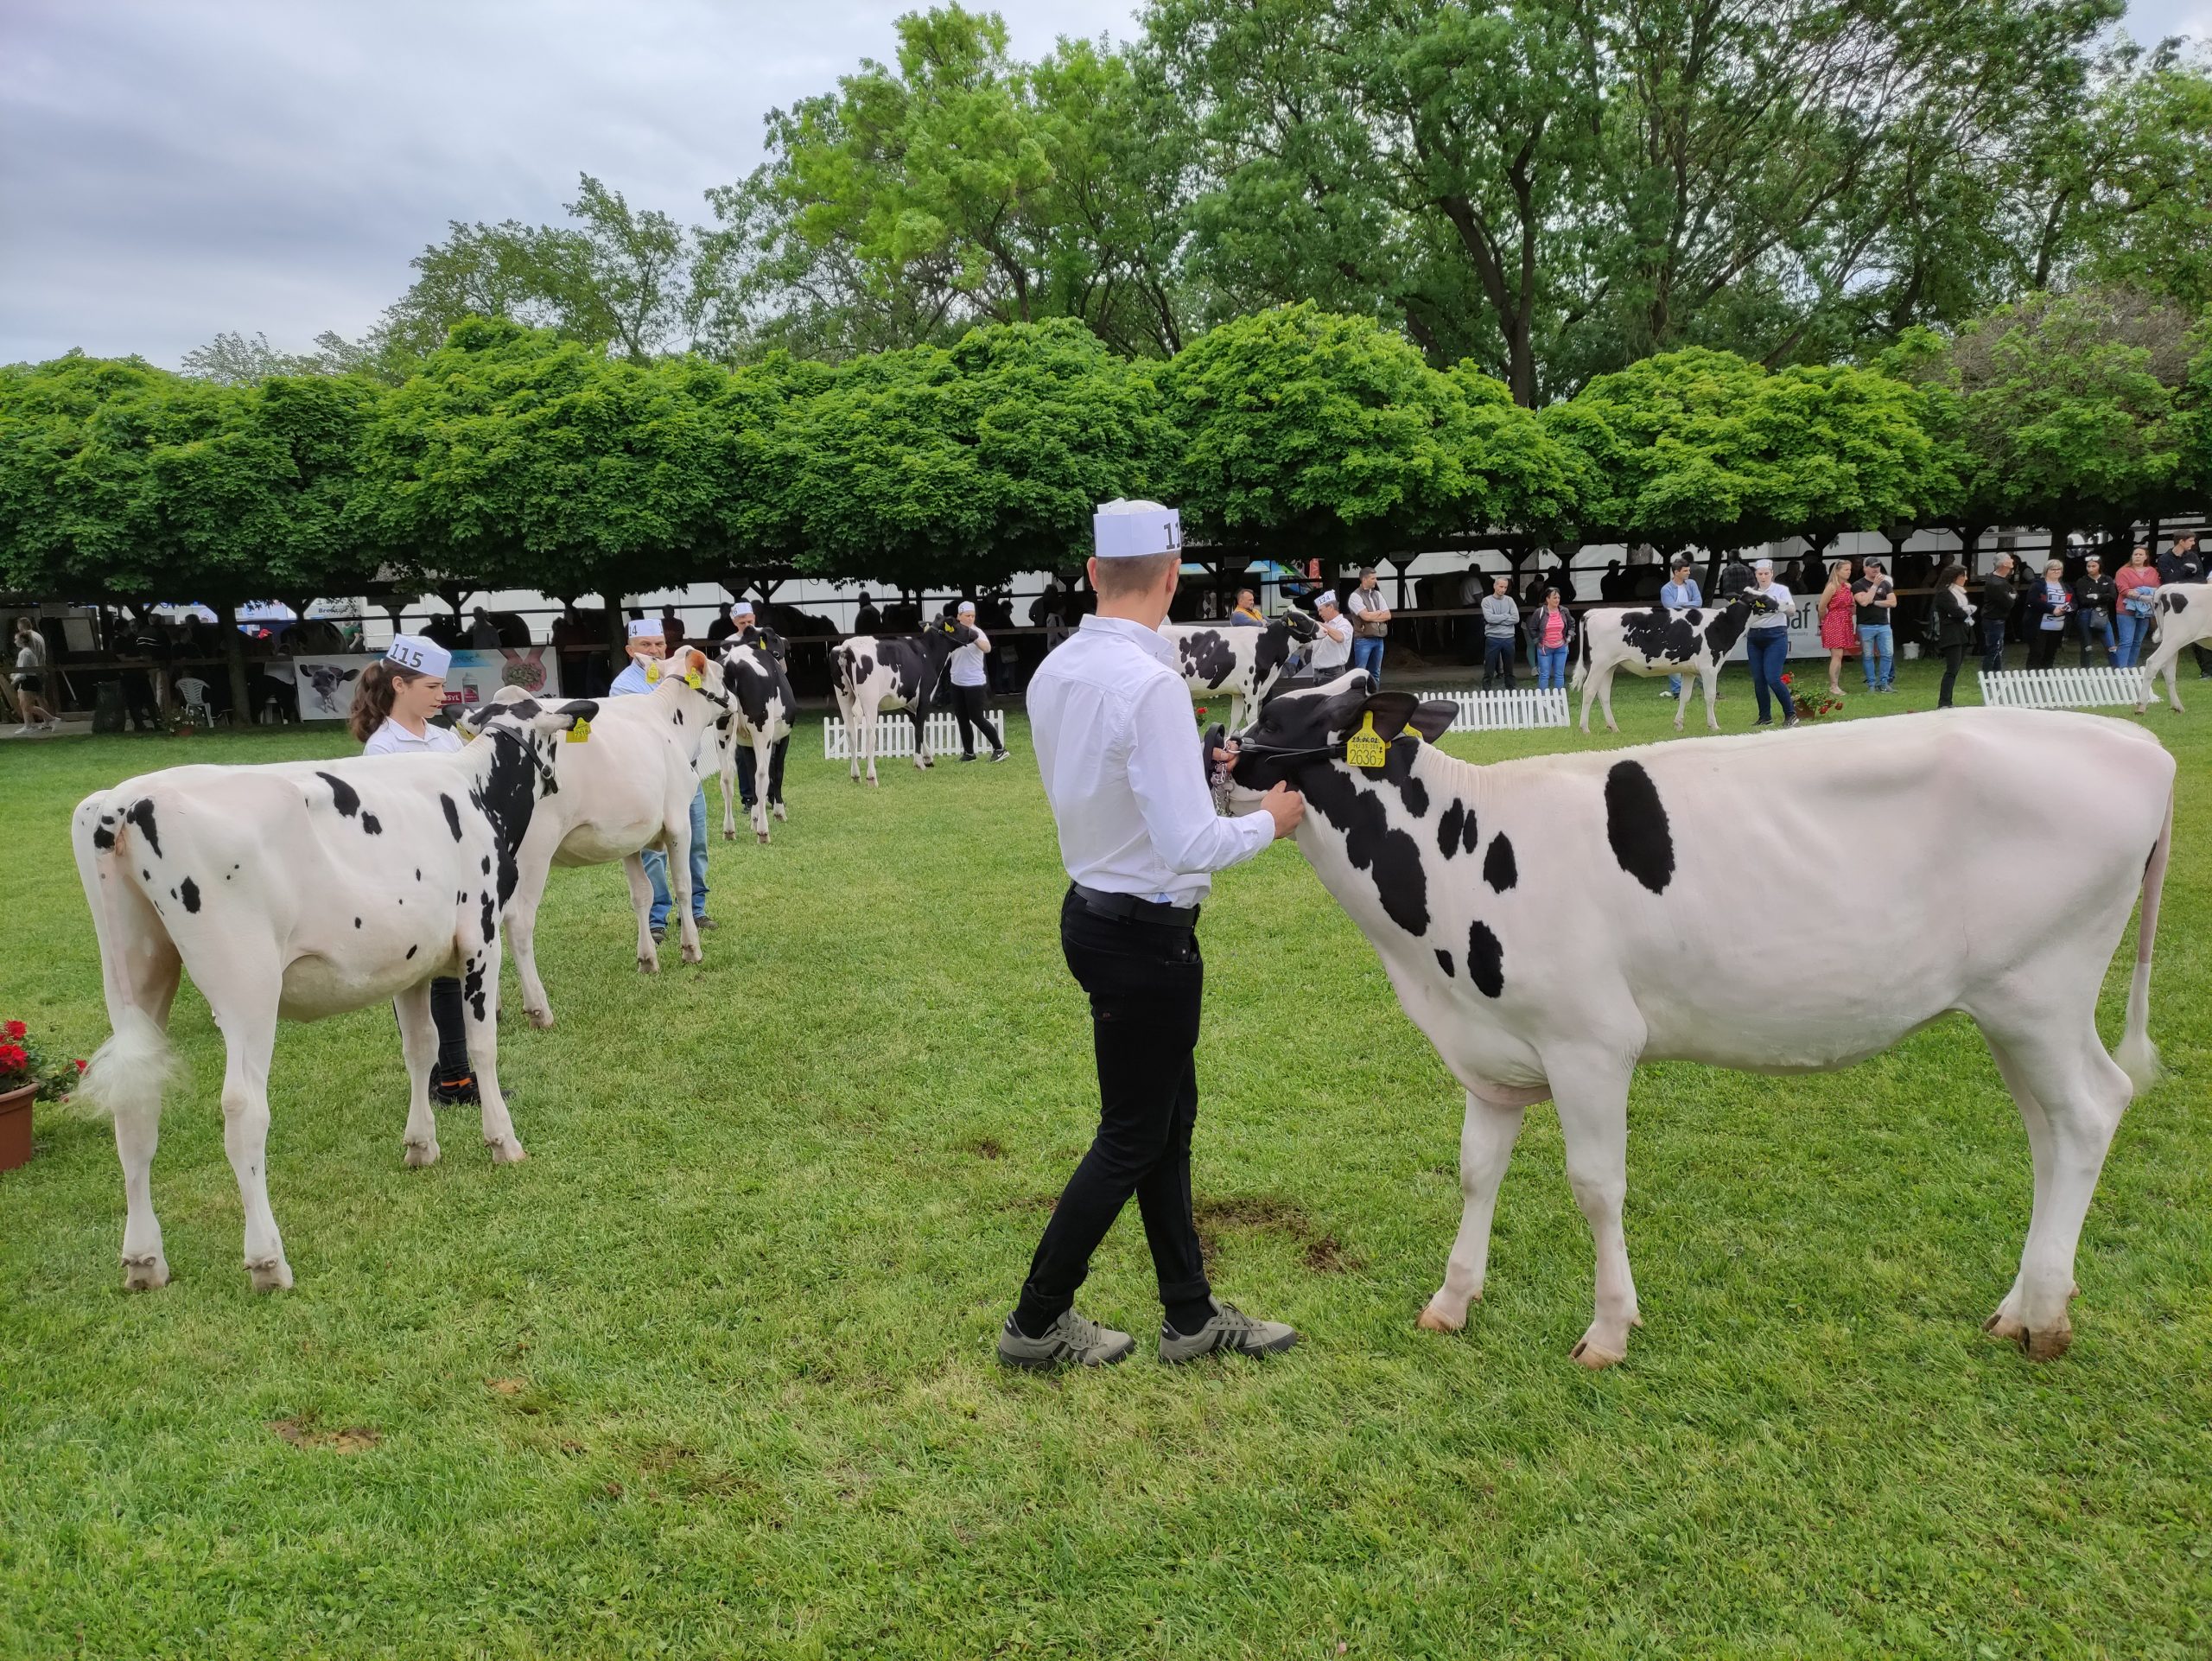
(25,1076)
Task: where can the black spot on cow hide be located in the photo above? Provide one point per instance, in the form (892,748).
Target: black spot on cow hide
(1725,628)
(1500,870)
(189,891)
(487,865)
(487,924)
(1207,658)
(472,986)
(343,796)
(1662,635)
(1449,823)
(371,824)
(1443,962)
(1391,856)
(679,717)
(453,814)
(412,950)
(357,922)
(1635,825)
(141,814)
(1398,769)
(102,838)
(2175,603)
(1485,960)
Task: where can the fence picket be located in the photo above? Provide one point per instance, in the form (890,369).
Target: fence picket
(1521,710)
(894,736)
(2063,687)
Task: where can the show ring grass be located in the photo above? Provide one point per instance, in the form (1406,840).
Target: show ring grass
(712,1372)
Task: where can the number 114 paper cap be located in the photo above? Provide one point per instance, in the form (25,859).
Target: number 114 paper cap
(1127,530)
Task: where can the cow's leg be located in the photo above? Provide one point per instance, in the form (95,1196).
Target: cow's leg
(763,755)
(1486,1138)
(2061,1068)
(1605,700)
(920,714)
(679,831)
(775,792)
(1589,692)
(481,976)
(145,975)
(1710,674)
(247,1015)
(419,1042)
(641,901)
(1592,1094)
(532,867)
(728,742)
(872,721)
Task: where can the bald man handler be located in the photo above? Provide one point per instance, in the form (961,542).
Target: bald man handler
(1110,719)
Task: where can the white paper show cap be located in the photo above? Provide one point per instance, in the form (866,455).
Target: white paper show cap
(743,609)
(1127,530)
(418,656)
(644,628)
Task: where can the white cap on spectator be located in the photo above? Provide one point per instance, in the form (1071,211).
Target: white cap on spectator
(644,628)
(1761,563)
(1126,529)
(966,609)
(418,656)
(743,609)
(1327,597)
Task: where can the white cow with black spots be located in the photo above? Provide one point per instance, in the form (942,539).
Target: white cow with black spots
(1551,922)
(1241,663)
(757,726)
(1657,641)
(2183,617)
(295,891)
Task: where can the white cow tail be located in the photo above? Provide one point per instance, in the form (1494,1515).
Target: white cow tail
(127,1075)
(2137,1056)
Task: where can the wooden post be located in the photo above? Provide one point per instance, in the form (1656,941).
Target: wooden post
(226,618)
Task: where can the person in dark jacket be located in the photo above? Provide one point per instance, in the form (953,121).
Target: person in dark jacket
(2183,563)
(1954,627)
(2094,595)
(1999,590)
(2050,603)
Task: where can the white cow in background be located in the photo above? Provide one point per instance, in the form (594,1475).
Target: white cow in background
(295,891)
(1551,922)
(2183,618)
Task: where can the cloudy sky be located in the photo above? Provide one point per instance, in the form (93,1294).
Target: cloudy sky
(169,168)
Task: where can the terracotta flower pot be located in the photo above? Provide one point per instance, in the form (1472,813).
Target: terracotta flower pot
(15,1127)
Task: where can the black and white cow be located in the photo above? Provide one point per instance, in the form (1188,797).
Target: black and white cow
(1662,640)
(762,710)
(294,891)
(874,673)
(2183,617)
(1550,922)
(1246,664)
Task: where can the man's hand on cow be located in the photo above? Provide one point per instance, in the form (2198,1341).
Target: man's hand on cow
(1284,806)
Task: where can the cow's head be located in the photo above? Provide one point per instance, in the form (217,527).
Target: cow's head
(1308,729)
(516,712)
(1300,627)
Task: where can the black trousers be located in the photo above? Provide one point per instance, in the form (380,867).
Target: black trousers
(1954,656)
(1145,982)
(744,790)
(970,710)
(2042,646)
(1497,661)
(1992,644)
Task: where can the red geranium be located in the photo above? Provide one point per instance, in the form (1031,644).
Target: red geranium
(1785,680)
(12,1058)
(15,1030)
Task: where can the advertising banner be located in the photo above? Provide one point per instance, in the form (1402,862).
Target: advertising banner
(326,684)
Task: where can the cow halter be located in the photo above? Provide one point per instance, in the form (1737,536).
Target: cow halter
(545,778)
(1339,751)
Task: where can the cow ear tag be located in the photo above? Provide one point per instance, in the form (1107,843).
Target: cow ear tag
(579,732)
(694,679)
(1366,748)
(652,672)
(468,734)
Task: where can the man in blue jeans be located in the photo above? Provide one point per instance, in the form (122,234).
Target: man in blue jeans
(1877,600)
(1371,621)
(1998,594)
(647,647)
(1678,590)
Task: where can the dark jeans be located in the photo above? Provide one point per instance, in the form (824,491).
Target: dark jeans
(969,709)
(2043,646)
(1992,644)
(452,1032)
(1768,651)
(744,790)
(1498,660)
(1145,981)
(1954,656)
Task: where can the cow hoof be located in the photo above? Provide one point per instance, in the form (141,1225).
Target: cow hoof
(419,1154)
(763,836)
(695,954)
(729,835)
(270,1275)
(506,1151)
(147,1274)
(1433,1320)
(780,811)
(648,965)
(541,1019)
(1590,1355)
(2047,1344)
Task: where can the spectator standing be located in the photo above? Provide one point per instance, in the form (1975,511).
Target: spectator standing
(1766,643)
(647,646)
(2094,595)
(1681,589)
(2136,596)
(1839,630)
(1330,653)
(970,704)
(867,620)
(483,632)
(1551,632)
(145,640)
(2183,563)
(1501,618)
(1954,628)
(1370,626)
(31,703)
(1875,599)
(723,627)
(1999,591)
(2049,603)
(672,629)
(1246,613)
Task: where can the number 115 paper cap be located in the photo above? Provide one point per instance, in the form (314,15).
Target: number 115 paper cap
(1127,530)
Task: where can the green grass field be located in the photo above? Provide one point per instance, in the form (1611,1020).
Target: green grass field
(712,1372)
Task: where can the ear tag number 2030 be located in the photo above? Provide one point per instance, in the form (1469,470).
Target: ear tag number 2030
(1365,748)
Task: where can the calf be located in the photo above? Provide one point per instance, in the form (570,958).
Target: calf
(2183,617)
(295,891)
(1549,923)
(761,712)
(1660,640)
(874,673)
(626,790)
(1245,663)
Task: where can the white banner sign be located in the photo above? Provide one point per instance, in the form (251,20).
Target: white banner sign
(326,685)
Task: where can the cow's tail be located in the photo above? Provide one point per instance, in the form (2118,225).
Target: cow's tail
(2137,1055)
(1581,657)
(127,1075)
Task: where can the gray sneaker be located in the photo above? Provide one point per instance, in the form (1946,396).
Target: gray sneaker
(1231,1330)
(1071,1341)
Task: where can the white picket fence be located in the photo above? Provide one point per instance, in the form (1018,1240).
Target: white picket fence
(2097,687)
(894,736)
(1501,710)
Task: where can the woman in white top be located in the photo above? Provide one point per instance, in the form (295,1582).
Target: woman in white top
(967,675)
(393,702)
(29,682)
(1766,643)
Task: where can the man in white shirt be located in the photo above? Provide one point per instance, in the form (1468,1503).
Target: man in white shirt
(1111,722)
(1330,653)
(648,645)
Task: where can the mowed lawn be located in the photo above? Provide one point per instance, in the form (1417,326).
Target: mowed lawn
(712,1372)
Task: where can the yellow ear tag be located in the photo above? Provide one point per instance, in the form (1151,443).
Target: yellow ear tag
(652,672)
(1366,748)
(694,679)
(468,734)
(579,732)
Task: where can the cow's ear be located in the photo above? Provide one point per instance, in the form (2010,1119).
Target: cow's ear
(1432,717)
(1391,710)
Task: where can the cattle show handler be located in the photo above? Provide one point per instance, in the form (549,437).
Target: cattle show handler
(966,669)
(1111,722)
(393,702)
(647,646)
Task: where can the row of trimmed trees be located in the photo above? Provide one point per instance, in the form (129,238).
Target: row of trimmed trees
(516,459)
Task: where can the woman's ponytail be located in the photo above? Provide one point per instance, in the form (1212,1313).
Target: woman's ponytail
(372,694)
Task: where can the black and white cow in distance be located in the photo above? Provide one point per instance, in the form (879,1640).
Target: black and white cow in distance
(762,711)
(1243,663)
(2183,617)
(1662,640)
(626,788)
(1549,923)
(295,891)
(874,673)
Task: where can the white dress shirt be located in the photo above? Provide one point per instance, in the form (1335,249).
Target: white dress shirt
(392,738)
(1331,647)
(1119,753)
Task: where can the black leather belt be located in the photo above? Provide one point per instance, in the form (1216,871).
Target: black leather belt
(1127,908)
